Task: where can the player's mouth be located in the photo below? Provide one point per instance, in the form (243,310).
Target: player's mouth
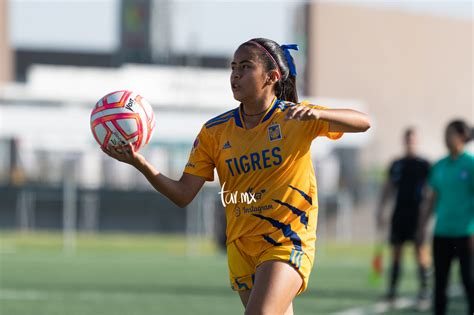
(235,87)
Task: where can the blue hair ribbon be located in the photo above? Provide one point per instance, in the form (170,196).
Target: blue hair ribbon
(286,51)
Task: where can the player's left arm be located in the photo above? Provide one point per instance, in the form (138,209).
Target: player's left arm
(340,120)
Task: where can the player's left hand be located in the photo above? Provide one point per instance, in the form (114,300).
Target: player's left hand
(299,112)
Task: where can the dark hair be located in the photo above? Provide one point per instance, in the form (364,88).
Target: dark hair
(462,129)
(285,88)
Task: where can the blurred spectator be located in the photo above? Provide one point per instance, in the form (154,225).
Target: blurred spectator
(406,180)
(452,197)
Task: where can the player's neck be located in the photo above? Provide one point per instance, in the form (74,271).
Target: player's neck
(456,152)
(258,105)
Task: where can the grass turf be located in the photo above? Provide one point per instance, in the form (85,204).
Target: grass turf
(152,274)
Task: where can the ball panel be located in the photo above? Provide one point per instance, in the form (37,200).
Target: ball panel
(116,137)
(114,97)
(127,126)
(99,132)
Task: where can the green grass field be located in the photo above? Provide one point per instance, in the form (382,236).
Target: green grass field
(144,275)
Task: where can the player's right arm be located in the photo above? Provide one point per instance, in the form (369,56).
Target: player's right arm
(181,191)
(387,191)
(430,196)
(426,210)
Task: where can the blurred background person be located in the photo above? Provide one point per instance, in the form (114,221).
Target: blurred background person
(407,177)
(452,198)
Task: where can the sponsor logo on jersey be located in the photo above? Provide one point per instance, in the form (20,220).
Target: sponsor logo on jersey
(226,145)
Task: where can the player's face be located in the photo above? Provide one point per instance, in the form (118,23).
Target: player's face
(411,142)
(454,141)
(248,78)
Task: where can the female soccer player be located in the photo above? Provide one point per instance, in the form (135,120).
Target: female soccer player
(261,150)
(452,197)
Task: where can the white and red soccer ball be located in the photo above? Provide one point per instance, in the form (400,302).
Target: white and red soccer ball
(122,117)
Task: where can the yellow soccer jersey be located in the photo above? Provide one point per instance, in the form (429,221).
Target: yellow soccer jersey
(266,174)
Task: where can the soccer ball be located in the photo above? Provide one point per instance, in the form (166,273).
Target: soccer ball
(122,117)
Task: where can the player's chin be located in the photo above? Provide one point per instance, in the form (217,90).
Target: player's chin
(238,95)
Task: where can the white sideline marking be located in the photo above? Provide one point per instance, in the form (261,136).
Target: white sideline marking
(379,308)
(399,304)
(87,295)
(21,295)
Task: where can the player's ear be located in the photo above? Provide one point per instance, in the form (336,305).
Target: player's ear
(273,77)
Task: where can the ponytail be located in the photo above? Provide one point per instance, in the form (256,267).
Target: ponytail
(286,90)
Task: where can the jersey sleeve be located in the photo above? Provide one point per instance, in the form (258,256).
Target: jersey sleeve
(319,127)
(201,161)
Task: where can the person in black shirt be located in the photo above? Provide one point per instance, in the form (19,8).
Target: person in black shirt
(406,180)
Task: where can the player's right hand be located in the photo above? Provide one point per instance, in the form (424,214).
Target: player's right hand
(124,153)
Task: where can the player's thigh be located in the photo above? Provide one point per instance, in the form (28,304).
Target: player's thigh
(276,285)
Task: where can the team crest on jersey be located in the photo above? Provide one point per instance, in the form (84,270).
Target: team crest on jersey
(274,132)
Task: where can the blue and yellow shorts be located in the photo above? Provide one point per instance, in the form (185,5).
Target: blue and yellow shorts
(242,266)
